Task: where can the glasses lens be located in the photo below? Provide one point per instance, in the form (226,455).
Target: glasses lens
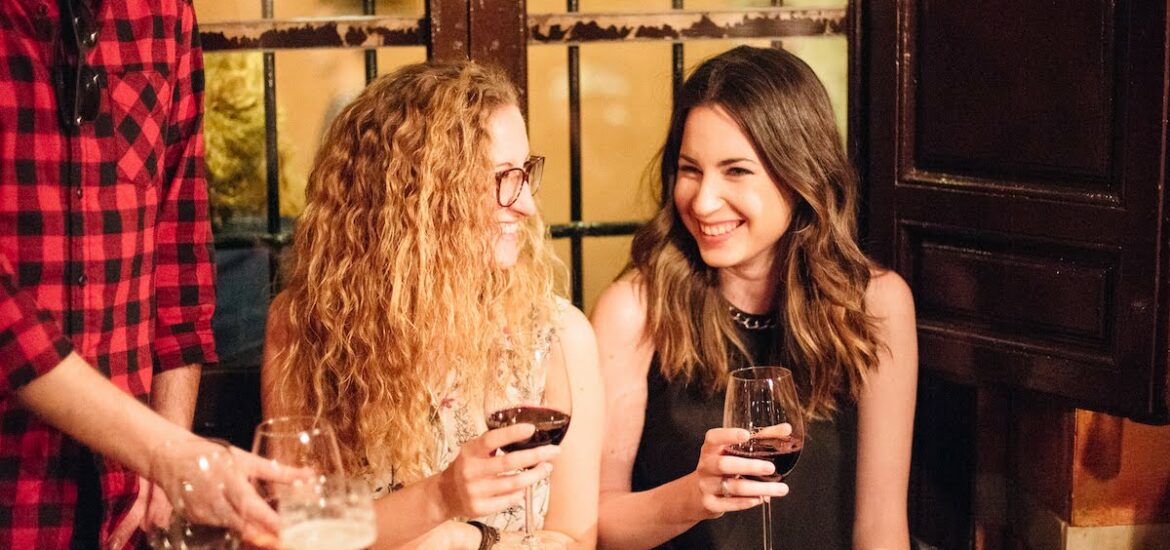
(510,182)
(535,168)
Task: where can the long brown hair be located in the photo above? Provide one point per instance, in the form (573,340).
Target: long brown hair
(392,288)
(821,275)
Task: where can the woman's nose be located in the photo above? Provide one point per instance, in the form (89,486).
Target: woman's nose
(525,204)
(707,197)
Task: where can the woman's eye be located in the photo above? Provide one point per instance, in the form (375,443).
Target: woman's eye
(687,169)
(738,171)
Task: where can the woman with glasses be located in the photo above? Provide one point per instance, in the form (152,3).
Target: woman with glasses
(753,260)
(420,262)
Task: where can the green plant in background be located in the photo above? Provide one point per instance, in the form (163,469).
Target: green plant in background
(233,133)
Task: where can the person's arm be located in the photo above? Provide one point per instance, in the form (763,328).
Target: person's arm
(75,398)
(172,396)
(573,501)
(886,420)
(33,343)
(184,273)
(420,515)
(649,518)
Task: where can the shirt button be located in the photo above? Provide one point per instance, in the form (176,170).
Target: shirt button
(79,192)
(81,280)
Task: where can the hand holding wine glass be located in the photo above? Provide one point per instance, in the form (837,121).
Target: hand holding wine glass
(533,389)
(474,484)
(763,401)
(728,483)
(203,474)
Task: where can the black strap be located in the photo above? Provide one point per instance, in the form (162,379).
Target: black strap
(488,535)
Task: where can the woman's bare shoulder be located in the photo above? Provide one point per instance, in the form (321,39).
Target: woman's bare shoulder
(888,294)
(621,308)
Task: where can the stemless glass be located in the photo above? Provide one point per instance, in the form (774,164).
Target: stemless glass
(326,512)
(323,509)
(530,388)
(202,465)
(760,400)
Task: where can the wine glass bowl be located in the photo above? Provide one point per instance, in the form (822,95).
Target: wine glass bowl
(299,442)
(551,425)
(783,452)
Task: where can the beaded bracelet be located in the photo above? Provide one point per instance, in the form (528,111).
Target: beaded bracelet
(488,535)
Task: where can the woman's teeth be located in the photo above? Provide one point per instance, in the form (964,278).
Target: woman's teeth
(715,230)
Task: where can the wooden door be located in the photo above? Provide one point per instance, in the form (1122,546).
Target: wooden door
(1014,166)
(1014,163)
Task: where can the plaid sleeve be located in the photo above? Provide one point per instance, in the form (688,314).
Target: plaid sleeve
(31,343)
(185,271)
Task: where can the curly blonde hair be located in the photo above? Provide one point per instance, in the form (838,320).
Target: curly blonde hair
(392,285)
(821,274)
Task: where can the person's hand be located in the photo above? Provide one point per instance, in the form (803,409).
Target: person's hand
(720,478)
(473,485)
(224,494)
(150,508)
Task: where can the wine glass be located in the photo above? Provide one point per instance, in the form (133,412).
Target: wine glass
(530,388)
(299,442)
(760,400)
(204,468)
(302,442)
(324,508)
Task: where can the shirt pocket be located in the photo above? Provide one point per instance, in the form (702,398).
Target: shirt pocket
(139,105)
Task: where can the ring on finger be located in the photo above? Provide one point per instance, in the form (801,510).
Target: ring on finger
(723,489)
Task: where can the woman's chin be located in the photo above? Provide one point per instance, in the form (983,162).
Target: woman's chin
(505,259)
(718,259)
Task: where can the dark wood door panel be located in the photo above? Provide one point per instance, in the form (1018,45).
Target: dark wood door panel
(996,80)
(1061,298)
(1014,174)
(999,210)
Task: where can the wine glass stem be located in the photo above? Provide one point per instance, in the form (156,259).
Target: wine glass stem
(767,509)
(531,542)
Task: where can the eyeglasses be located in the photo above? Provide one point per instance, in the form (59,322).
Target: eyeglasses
(78,85)
(509,182)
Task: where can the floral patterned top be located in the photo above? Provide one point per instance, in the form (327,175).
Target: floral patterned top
(457,421)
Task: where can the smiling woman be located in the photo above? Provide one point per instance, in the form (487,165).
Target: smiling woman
(420,269)
(755,262)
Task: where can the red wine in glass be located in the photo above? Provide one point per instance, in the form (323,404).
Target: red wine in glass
(551,425)
(783,452)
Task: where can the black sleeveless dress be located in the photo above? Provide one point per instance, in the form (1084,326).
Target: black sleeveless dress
(818,511)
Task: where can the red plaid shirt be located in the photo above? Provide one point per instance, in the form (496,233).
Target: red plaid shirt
(105,245)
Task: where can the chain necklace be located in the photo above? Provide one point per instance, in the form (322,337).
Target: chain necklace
(752,321)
